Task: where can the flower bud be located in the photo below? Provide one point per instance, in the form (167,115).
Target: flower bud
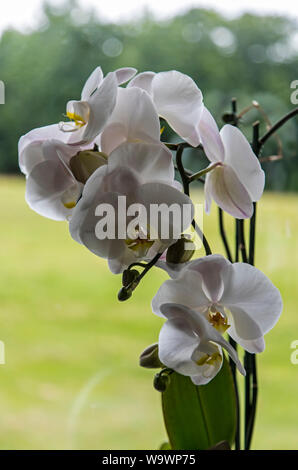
(161,381)
(84,163)
(149,357)
(177,253)
(124,294)
(128,276)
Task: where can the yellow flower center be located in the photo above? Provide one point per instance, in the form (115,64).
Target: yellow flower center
(218,321)
(69,205)
(139,245)
(209,359)
(78,120)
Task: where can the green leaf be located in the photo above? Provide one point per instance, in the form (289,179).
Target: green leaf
(198,417)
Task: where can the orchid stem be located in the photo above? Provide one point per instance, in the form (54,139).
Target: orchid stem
(231,341)
(186,182)
(189,173)
(149,266)
(203,172)
(260,142)
(184,176)
(241,240)
(251,358)
(229,256)
(223,234)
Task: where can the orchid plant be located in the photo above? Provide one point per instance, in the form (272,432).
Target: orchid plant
(111,149)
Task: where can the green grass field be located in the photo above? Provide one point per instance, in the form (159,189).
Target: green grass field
(71,378)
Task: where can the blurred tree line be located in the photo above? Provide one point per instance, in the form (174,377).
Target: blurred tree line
(250,57)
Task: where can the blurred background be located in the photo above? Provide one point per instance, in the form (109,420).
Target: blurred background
(71,377)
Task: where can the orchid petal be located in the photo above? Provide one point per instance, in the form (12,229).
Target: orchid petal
(210,137)
(152,162)
(189,293)
(46,185)
(239,155)
(222,185)
(94,184)
(108,247)
(176,346)
(170,224)
(179,101)
(112,137)
(254,346)
(27,160)
(210,268)
(133,119)
(92,83)
(124,74)
(248,292)
(203,329)
(143,80)
(101,103)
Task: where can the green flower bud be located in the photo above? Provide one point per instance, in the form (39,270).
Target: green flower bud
(128,276)
(124,294)
(83,164)
(177,253)
(149,357)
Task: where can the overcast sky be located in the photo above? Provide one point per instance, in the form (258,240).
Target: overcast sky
(25,13)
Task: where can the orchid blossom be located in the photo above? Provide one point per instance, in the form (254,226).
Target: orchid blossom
(235,298)
(190,345)
(98,98)
(55,171)
(237,179)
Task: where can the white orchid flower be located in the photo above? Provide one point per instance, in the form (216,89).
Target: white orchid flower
(134,119)
(53,183)
(233,297)
(190,345)
(177,99)
(237,179)
(89,115)
(144,175)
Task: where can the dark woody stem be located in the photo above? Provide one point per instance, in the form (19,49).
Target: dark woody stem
(186,180)
(223,234)
(274,128)
(251,387)
(149,266)
(232,342)
(184,177)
